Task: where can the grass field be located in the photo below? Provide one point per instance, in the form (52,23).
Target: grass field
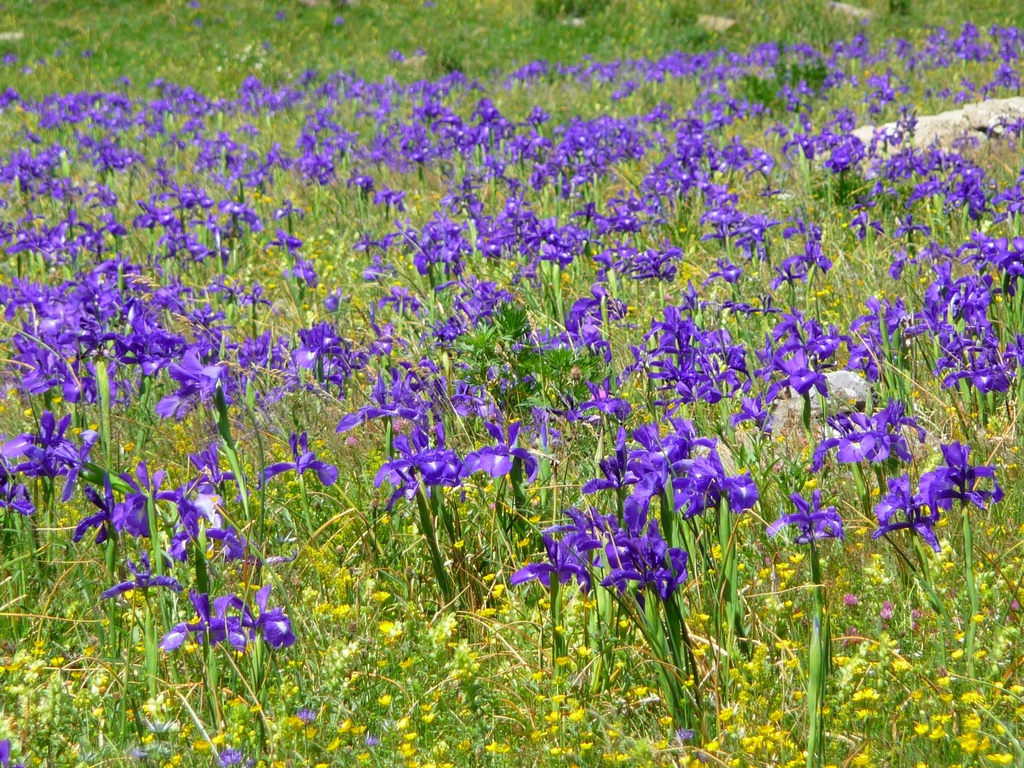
(509,384)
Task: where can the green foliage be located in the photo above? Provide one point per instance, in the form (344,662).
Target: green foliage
(489,681)
(503,357)
(555,9)
(765,90)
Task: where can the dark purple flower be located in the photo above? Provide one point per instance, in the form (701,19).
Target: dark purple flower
(213,625)
(211,476)
(615,469)
(102,521)
(274,624)
(497,460)
(304,460)
(812,522)
(799,375)
(5,755)
(196,380)
(13,495)
(417,460)
(603,401)
(645,558)
(394,396)
(568,559)
(872,439)
(143,580)
(958,481)
(50,454)
(131,516)
(914,510)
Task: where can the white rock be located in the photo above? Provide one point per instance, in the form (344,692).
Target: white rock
(715,23)
(978,121)
(943,128)
(853,11)
(867,134)
(846,388)
(992,114)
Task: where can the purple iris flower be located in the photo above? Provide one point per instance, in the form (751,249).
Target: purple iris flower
(614,468)
(195,380)
(958,481)
(727,271)
(50,454)
(566,561)
(13,495)
(602,400)
(144,579)
(752,409)
(705,485)
(799,375)
(304,460)
(569,556)
(647,560)
(812,522)
(103,520)
(273,624)
(202,511)
(874,439)
(917,516)
(497,460)
(213,625)
(208,463)
(304,270)
(286,241)
(437,466)
(5,755)
(131,516)
(238,628)
(398,397)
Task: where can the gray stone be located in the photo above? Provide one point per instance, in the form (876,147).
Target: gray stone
(978,121)
(845,389)
(943,129)
(787,423)
(868,133)
(992,115)
(852,11)
(715,23)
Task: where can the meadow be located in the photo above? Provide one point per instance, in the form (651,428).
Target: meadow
(510,384)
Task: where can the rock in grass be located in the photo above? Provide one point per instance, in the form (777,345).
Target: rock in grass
(715,23)
(992,115)
(944,129)
(847,390)
(978,122)
(851,11)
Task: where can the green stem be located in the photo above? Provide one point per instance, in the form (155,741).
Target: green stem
(972,592)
